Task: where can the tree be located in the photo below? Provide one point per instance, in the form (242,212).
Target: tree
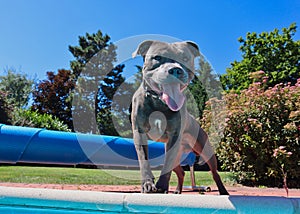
(209,79)
(51,96)
(97,79)
(89,46)
(275,53)
(5,109)
(205,85)
(196,98)
(18,88)
(108,92)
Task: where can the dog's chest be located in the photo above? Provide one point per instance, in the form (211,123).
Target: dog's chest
(159,122)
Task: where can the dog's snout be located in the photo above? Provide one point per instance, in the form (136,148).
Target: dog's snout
(176,71)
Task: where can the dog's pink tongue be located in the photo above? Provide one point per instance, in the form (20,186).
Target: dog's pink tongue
(172,96)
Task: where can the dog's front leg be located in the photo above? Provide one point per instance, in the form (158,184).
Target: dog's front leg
(141,146)
(172,159)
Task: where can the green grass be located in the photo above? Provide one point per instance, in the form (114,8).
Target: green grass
(54,175)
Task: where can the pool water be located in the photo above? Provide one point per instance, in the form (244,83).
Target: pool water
(12,205)
(42,210)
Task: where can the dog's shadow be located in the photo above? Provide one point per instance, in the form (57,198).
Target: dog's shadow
(170,192)
(125,191)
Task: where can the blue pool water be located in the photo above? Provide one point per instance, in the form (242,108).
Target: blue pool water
(42,210)
(12,205)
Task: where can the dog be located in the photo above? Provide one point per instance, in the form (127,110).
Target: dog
(159,112)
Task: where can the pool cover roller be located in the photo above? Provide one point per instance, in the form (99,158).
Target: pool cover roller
(23,145)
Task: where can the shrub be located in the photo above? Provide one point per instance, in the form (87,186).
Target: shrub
(260,142)
(5,109)
(31,118)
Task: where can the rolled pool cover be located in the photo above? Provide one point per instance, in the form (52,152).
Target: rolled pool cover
(41,146)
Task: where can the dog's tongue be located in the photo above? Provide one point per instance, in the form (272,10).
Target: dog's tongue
(172,96)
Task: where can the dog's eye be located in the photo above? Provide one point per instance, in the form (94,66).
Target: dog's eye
(157,58)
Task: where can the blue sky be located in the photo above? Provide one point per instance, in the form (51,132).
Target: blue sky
(35,34)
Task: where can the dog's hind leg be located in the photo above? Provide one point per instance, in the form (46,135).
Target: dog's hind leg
(180,176)
(209,157)
(203,148)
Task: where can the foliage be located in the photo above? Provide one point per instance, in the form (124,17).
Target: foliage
(51,96)
(275,53)
(213,120)
(261,135)
(5,109)
(55,95)
(283,157)
(31,118)
(208,96)
(18,88)
(112,101)
(205,85)
(96,82)
(196,98)
(89,46)
(209,79)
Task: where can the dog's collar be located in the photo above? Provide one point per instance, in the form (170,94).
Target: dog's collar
(151,93)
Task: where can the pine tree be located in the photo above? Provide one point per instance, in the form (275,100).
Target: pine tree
(97,80)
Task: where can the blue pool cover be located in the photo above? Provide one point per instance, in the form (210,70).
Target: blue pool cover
(35,145)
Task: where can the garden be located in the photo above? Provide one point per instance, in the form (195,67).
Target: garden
(252,116)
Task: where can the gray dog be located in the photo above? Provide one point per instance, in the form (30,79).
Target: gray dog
(159,112)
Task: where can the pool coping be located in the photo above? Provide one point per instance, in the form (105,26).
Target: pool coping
(146,203)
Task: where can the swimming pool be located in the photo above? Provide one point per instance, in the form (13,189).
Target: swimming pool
(44,201)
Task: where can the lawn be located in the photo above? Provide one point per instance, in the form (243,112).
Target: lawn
(54,175)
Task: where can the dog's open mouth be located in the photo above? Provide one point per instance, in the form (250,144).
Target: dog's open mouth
(172,95)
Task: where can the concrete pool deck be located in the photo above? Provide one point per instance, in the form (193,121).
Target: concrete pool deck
(233,190)
(147,203)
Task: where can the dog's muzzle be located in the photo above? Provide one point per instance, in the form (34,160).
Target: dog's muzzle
(169,83)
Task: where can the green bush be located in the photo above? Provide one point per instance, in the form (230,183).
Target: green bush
(5,109)
(260,142)
(30,118)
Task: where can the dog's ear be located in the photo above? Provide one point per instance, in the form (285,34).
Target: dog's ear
(193,48)
(142,48)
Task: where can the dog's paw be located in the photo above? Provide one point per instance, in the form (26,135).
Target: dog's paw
(177,192)
(149,187)
(162,191)
(162,185)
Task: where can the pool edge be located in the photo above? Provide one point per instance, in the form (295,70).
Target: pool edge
(136,202)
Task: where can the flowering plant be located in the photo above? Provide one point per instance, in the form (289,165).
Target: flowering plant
(260,142)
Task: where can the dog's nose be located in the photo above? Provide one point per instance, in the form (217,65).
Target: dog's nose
(176,71)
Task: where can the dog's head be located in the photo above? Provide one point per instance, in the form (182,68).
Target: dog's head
(168,69)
